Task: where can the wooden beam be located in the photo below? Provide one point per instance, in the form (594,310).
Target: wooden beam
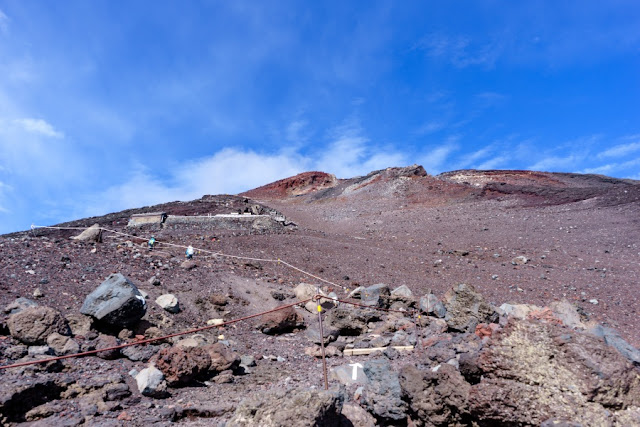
(365,351)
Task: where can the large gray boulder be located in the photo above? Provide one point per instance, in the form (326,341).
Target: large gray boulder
(292,408)
(351,321)
(431,305)
(612,338)
(34,324)
(116,302)
(382,396)
(377,295)
(437,397)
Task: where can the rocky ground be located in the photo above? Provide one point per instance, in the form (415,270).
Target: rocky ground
(562,251)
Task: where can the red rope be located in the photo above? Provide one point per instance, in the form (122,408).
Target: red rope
(191,331)
(117,347)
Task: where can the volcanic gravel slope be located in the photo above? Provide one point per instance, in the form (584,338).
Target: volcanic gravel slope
(398,226)
(403,226)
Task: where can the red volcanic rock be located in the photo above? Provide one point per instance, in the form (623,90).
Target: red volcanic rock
(181,365)
(280,322)
(303,183)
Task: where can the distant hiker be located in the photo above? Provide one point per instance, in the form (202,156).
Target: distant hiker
(189,252)
(151,242)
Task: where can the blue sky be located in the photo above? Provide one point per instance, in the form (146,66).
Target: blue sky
(106,105)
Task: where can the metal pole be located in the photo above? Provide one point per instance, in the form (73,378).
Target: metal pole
(324,360)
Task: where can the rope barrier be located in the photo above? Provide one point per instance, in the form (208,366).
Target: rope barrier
(214,253)
(177,334)
(316,298)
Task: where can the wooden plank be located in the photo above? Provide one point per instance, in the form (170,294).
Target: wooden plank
(365,351)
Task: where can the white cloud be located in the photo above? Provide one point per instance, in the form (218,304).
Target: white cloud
(434,160)
(233,171)
(294,132)
(38,126)
(229,171)
(4,190)
(4,22)
(492,163)
(473,157)
(350,154)
(556,164)
(621,150)
(623,169)
(461,51)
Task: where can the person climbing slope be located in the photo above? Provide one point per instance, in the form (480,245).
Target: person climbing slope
(190,251)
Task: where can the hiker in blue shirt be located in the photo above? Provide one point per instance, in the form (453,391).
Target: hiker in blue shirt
(151,242)
(189,252)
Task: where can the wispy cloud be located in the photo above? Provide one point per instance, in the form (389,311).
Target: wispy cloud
(460,51)
(621,149)
(557,164)
(4,190)
(493,163)
(434,161)
(4,22)
(39,126)
(350,153)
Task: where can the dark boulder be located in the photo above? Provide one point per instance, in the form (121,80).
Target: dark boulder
(116,303)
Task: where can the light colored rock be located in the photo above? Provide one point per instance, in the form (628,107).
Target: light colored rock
(568,313)
(62,345)
(215,322)
(38,293)
(350,373)
(518,311)
(357,416)
(34,324)
(40,350)
(520,260)
(356,293)
(290,407)
(430,304)
(91,234)
(402,293)
(316,351)
(168,302)
(151,382)
(305,291)
(190,342)
(79,324)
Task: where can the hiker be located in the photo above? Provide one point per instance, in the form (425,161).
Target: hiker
(151,243)
(189,252)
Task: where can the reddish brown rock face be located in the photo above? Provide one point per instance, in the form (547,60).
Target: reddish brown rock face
(181,366)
